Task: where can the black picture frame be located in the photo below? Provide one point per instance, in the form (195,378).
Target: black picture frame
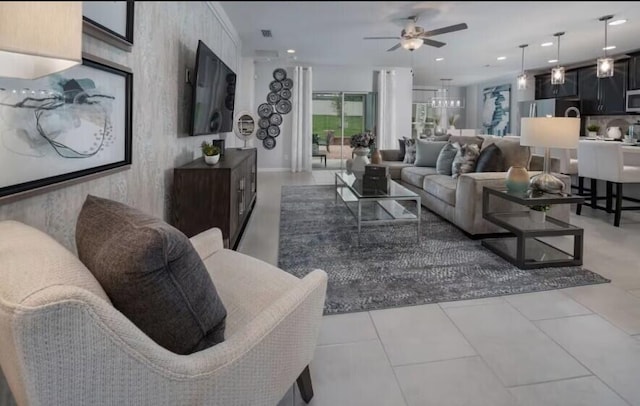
(53,148)
(219,144)
(122,40)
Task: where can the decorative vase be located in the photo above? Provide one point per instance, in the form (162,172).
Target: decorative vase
(376,157)
(517,180)
(537,216)
(360,160)
(211,159)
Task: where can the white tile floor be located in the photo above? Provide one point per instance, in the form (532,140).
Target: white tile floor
(577,346)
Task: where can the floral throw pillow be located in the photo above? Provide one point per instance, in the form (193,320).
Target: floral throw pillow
(409,151)
(465,160)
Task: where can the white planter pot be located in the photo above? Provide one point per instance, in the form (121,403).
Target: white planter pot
(360,160)
(537,216)
(592,134)
(211,159)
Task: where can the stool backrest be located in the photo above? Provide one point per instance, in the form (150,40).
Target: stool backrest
(600,160)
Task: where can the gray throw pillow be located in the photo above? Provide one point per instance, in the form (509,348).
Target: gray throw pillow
(427,152)
(466,139)
(445,158)
(490,160)
(402,148)
(465,160)
(409,151)
(152,274)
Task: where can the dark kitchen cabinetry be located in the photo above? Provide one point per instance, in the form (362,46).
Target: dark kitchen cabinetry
(603,95)
(545,90)
(634,72)
(220,195)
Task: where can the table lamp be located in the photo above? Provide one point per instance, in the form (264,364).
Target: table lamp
(549,132)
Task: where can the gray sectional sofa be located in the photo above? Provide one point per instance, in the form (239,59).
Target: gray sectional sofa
(460,200)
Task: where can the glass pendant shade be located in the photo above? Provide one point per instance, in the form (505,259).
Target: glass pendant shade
(557,75)
(411,44)
(522,81)
(605,67)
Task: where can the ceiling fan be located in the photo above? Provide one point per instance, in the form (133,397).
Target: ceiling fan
(412,37)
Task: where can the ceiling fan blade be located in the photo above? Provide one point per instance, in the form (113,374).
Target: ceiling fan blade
(433,43)
(393,48)
(381,38)
(444,30)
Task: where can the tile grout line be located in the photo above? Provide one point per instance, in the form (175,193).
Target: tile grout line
(393,370)
(410,364)
(348,342)
(524,385)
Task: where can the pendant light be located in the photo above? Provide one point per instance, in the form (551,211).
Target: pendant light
(557,73)
(605,64)
(522,78)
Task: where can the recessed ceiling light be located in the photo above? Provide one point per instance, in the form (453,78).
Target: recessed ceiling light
(439,59)
(546,44)
(291,51)
(501,58)
(617,22)
(552,60)
(610,47)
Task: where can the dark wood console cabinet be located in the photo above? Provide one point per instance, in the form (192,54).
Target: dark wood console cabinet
(221,195)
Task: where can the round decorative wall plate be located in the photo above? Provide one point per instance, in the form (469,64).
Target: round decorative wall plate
(283,106)
(275,119)
(287,83)
(269,143)
(285,93)
(264,122)
(261,134)
(273,131)
(265,110)
(275,86)
(279,74)
(273,98)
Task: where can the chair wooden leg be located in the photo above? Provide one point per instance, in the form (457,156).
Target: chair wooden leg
(609,197)
(580,193)
(304,384)
(594,193)
(616,220)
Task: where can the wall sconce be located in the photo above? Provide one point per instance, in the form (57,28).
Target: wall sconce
(557,73)
(605,64)
(38,38)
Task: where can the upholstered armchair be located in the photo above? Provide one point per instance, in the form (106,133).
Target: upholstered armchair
(63,343)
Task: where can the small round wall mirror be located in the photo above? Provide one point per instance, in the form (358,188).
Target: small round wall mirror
(245,126)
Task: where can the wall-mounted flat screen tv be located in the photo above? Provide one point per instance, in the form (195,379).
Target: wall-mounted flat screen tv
(213,94)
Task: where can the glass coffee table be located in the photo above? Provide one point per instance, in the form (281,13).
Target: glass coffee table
(377,208)
(526,250)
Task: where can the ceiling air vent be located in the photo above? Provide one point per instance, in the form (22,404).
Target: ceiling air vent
(266,33)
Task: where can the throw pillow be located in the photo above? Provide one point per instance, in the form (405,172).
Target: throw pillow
(427,152)
(513,153)
(402,148)
(465,160)
(490,160)
(152,274)
(410,151)
(466,139)
(445,158)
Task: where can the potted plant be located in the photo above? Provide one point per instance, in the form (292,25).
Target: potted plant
(361,144)
(592,130)
(538,214)
(210,152)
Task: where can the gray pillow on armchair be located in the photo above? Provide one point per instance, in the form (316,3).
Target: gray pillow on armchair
(152,274)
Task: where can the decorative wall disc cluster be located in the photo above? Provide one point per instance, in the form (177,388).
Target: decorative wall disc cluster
(278,103)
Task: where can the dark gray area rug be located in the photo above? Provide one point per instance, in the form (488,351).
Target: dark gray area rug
(390,268)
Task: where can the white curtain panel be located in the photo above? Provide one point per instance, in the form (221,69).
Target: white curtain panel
(386,114)
(301,143)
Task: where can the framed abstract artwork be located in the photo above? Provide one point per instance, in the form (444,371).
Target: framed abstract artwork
(109,21)
(64,128)
(496,110)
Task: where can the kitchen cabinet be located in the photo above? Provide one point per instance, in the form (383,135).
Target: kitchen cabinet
(634,72)
(603,96)
(545,90)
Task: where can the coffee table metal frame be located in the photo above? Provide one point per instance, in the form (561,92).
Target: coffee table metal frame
(387,202)
(510,221)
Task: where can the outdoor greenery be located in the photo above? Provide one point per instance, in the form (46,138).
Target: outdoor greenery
(321,123)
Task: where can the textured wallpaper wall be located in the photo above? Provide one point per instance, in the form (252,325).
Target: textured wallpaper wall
(166,36)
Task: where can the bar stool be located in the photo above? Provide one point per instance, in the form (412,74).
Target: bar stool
(600,160)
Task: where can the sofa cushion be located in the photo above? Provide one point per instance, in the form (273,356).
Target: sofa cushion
(395,168)
(513,153)
(437,137)
(409,151)
(465,139)
(490,160)
(402,148)
(414,175)
(427,152)
(445,158)
(465,160)
(152,274)
(441,186)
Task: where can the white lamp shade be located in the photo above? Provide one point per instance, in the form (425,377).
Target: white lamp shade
(411,44)
(39,38)
(550,132)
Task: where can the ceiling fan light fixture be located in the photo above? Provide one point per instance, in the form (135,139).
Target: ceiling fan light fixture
(411,44)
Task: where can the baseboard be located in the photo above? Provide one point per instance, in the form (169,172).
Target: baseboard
(274,169)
